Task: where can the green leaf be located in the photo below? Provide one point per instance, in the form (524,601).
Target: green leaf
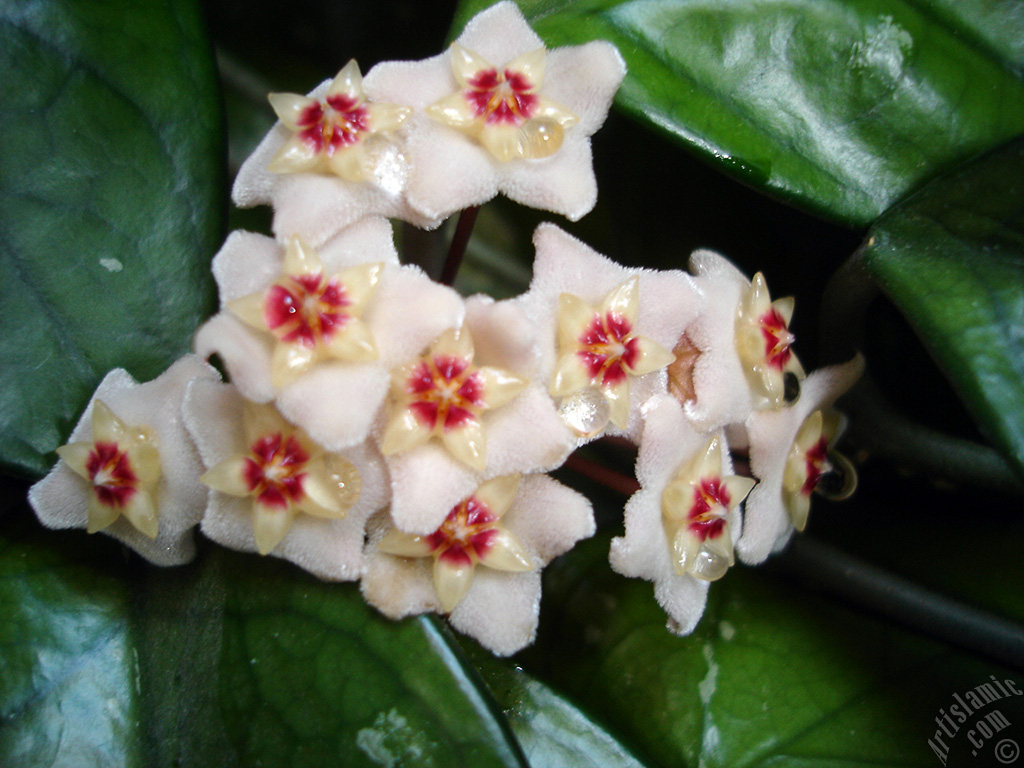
(310,675)
(773,676)
(110,203)
(552,730)
(994,25)
(228,661)
(952,258)
(68,695)
(841,106)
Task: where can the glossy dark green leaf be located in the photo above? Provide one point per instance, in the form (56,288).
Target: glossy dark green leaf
(952,258)
(229,661)
(992,24)
(110,203)
(310,675)
(842,106)
(552,730)
(773,676)
(68,685)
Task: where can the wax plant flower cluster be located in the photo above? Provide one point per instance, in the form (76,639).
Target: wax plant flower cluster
(378,427)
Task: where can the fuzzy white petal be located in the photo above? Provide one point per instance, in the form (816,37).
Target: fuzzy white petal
(668,301)
(525,435)
(449,171)
(550,517)
(767,526)
(336,402)
(668,443)
(246,354)
(722,395)
(331,549)
(500,608)
(319,206)
(61,498)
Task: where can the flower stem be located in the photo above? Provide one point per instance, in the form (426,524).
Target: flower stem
(869,587)
(879,428)
(844,307)
(902,601)
(463,229)
(609,478)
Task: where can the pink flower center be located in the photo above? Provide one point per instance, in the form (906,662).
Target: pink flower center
(273,470)
(706,518)
(466,535)
(334,123)
(817,464)
(446,392)
(306,309)
(608,348)
(501,97)
(777,338)
(111,474)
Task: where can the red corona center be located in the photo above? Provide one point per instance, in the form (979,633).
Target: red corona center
(306,309)
(110,472)
(777,338)
(710,503)
(274,470)
(334,123)
(466,535)
(501,97)
(817,465)
(608,349)
(445,392)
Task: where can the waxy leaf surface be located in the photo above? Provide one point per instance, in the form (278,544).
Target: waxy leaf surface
(221,663)
(68,695)
(774,675)
(111,195)
(952,258)
(841,106)
(552,730)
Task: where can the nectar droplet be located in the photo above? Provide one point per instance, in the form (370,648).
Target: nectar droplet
(345,480)
(541,138)
(709,566)
(586,412)
(840,482)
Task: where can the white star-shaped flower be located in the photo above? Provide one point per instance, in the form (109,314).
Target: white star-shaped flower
(273,490)
(482,566)
(130,469)
(597,320)
(741,346)
(498,113)
(683,522)
(332,158)
(782,496)
(521,435)
(334,134)
(333,388)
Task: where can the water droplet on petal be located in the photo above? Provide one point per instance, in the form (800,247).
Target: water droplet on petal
(586,412)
